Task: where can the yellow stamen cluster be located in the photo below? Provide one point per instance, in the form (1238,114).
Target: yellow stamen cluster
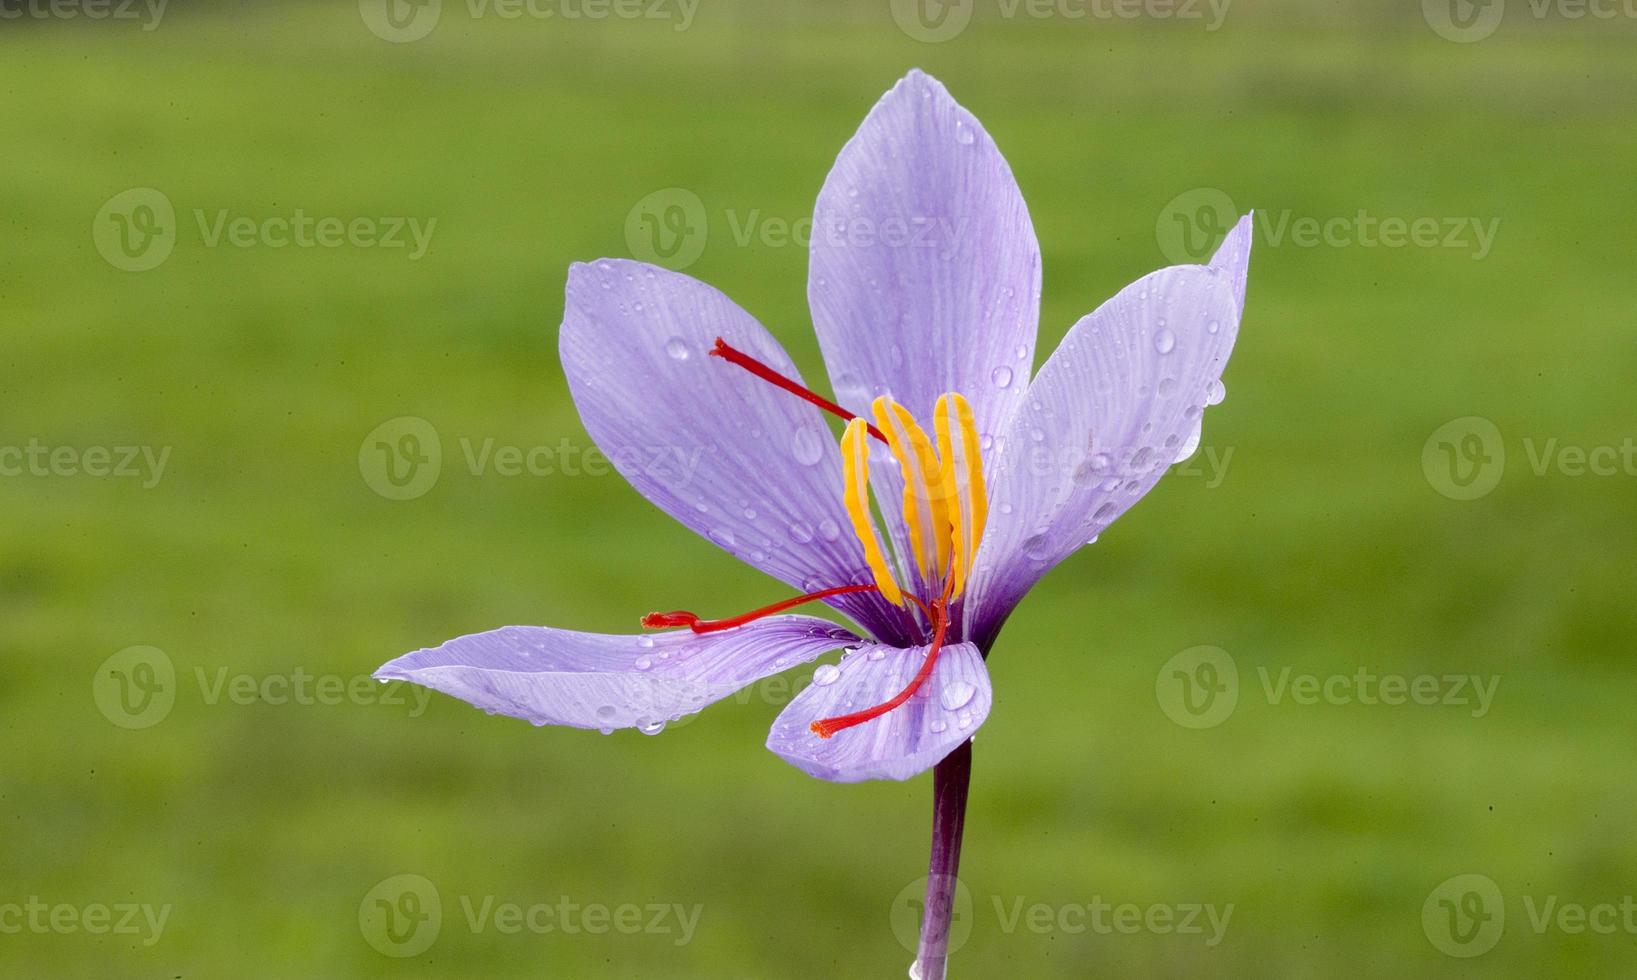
(945,502)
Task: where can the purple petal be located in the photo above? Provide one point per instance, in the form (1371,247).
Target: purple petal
(751,467)
(1118,402)
(925,272)
(908,740)
(595,680)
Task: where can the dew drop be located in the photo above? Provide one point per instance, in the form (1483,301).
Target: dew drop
(1001,376)
(1165,341)
(1213,327)
(807,445)
(963,133)
(651,728)
(1038,547)
(677,348)
(643,663)
(936,727)
(956,695)
(1105,513)
(645,641)
(1215,392)
(826,674)
(723,538)
(829,530)
(800,533)
(607,712)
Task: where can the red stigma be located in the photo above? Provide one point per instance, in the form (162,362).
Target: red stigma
(760,370)
(826,727)
(661,620)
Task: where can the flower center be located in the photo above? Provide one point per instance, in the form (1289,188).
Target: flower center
(945,506)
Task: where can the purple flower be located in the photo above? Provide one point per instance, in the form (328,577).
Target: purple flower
(924,286)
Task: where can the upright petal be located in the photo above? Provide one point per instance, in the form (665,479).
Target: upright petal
(1117,404)
(907,740)
(925,273)
(751,467)
(594,680)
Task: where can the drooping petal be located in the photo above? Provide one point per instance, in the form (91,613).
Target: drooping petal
(907,740)
(743,463)
(596,680)
(924,273)
(1117,403)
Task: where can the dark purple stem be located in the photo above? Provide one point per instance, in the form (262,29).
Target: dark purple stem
(950,780)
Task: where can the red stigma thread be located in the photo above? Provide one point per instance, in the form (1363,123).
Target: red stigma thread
(826,727)
(760,370)
(661,620)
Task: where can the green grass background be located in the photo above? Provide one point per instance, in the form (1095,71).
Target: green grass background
(1324,550)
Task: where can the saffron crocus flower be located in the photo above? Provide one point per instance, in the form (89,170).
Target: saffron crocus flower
(925,287)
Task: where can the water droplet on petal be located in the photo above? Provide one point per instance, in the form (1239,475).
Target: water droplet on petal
(607,712)
(1213,327)
(651,728)
(1001,376)
(1038,547)
(800,533)
(645,641)
(956,695)
(1215,392)
(643,663)
(677,348)
(723,538)
(963,133)
(808,445)
(826,674)
(1165,341)
(935,727)
(829,530)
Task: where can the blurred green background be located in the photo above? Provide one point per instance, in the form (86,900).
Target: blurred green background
(1323,547)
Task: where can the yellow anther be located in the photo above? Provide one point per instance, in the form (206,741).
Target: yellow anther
(856,497)
(968,501)
(926,509)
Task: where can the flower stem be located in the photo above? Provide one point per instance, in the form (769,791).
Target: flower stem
(950,780)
